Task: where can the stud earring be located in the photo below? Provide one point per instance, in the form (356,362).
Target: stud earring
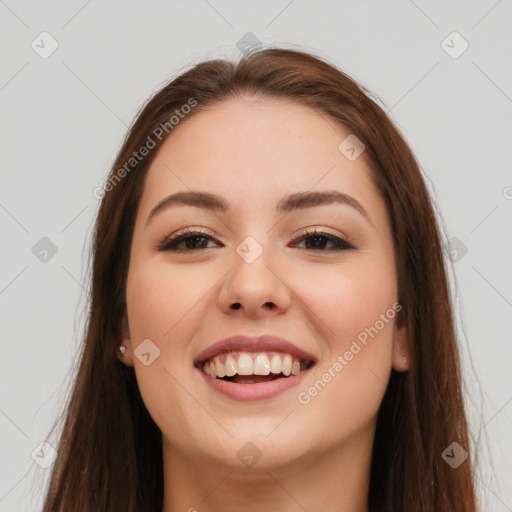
(122,349)
(404,359)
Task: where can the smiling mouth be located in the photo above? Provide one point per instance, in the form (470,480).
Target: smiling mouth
(251,368)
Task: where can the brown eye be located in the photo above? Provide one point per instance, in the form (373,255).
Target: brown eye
(193,240)
(318,239)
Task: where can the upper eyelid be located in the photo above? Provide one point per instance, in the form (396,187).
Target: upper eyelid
(304,233)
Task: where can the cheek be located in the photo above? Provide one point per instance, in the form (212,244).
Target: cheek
(163,306)
(163,301)
(354,312)
(345,302)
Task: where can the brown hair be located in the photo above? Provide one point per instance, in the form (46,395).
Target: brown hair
(110,450)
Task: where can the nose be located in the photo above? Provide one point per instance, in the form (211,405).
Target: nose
(255,287)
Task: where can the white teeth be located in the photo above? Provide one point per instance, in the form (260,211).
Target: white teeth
(230,366)
(245,364)
(275,364)
(220,368)
(287,365)
(262,364)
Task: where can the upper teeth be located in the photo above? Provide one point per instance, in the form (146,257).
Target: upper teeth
(252,364)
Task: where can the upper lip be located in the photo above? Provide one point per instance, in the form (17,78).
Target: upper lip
(263,343)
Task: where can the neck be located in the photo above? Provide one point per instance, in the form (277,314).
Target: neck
(334,480)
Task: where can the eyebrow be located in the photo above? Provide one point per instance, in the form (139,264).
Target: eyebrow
(295,201)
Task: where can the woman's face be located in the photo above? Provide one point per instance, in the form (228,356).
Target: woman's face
(253,270)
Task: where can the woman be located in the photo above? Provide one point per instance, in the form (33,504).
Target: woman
(270,322)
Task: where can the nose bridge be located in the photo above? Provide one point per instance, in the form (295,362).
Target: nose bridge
(253,260)
(251,249)
(252,281)
(254,231)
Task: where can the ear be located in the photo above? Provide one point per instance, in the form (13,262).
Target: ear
(127,357)
(401,351)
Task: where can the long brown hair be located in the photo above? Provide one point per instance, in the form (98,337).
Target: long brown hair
(110,450)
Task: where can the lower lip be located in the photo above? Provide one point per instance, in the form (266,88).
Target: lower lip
(252,392)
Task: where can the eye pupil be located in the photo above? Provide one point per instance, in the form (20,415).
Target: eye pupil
(318,238)
(195,239)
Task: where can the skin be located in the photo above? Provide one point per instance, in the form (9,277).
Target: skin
(314,456)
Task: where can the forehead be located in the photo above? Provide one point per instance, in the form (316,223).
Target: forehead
(253,149)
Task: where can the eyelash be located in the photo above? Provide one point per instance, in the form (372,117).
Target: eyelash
(170,243)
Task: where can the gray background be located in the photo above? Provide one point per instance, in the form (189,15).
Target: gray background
(63,119)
